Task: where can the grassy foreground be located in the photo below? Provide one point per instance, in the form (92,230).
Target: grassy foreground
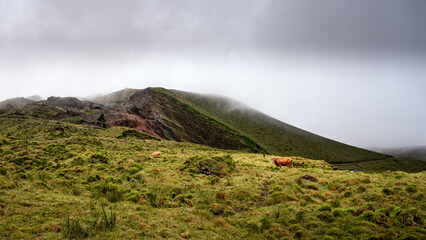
(67,181)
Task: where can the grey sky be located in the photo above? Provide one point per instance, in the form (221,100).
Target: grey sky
(349,70)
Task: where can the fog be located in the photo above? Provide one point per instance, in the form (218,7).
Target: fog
(352,71)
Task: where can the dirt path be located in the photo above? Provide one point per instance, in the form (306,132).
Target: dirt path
(264,193)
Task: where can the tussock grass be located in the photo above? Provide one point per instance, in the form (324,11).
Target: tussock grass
(91,184)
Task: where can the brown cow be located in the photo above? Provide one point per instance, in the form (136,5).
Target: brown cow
(156,154)
(283,162)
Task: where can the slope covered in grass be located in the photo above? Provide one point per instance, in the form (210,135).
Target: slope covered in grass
(274,136)
(61,180)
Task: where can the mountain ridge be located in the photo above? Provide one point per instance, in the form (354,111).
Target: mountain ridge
(210,120)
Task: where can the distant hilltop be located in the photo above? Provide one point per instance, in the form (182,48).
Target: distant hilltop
(175,115)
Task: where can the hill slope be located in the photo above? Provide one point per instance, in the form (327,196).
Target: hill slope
(274,136)
(202,119)
(71,181)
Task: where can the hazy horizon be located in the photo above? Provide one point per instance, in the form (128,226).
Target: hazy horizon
(351,71)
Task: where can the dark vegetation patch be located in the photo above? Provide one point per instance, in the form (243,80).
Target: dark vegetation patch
(219,165)
(131,133)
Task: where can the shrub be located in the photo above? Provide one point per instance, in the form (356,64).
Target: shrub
(137,165)
(228,212)
(77,161)
(368,206)
(298,234)
(3,170)
(324,207)
(312,225)
(136,134)
(22,175)
(214,180)
(93,178)
(361,189)
(58,151)
(157,197)
(387,191)
(265,223)
(219,165)
(133,195)
(380,218)
(114,195)
(277,188)
(368,216)
(98,157)
(335,203)
(347,194)
(134,170)
(326,217)
(43,184)
(277,197)
(335,232)
(221,195)
(419,197)
(394,211)
(337,213)
(217,209)
(411,188)
(410,217)
(252,227)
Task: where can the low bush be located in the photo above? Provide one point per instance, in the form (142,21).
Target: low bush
(411,188)
(98,157)
(217,209)
(326,217)
(278,197)
(131,133)
(410,217)
(387,191)
(219,165)
(324,207)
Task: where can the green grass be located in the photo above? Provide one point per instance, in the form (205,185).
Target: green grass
(90,183)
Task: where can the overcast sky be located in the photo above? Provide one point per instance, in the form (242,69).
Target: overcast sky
(353,71)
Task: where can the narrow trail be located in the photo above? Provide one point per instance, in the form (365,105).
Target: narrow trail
(264,193)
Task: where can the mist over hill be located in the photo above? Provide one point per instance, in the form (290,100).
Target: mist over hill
(414,152)
(210,120)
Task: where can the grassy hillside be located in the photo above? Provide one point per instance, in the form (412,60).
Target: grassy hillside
(274,136)
(63,181)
